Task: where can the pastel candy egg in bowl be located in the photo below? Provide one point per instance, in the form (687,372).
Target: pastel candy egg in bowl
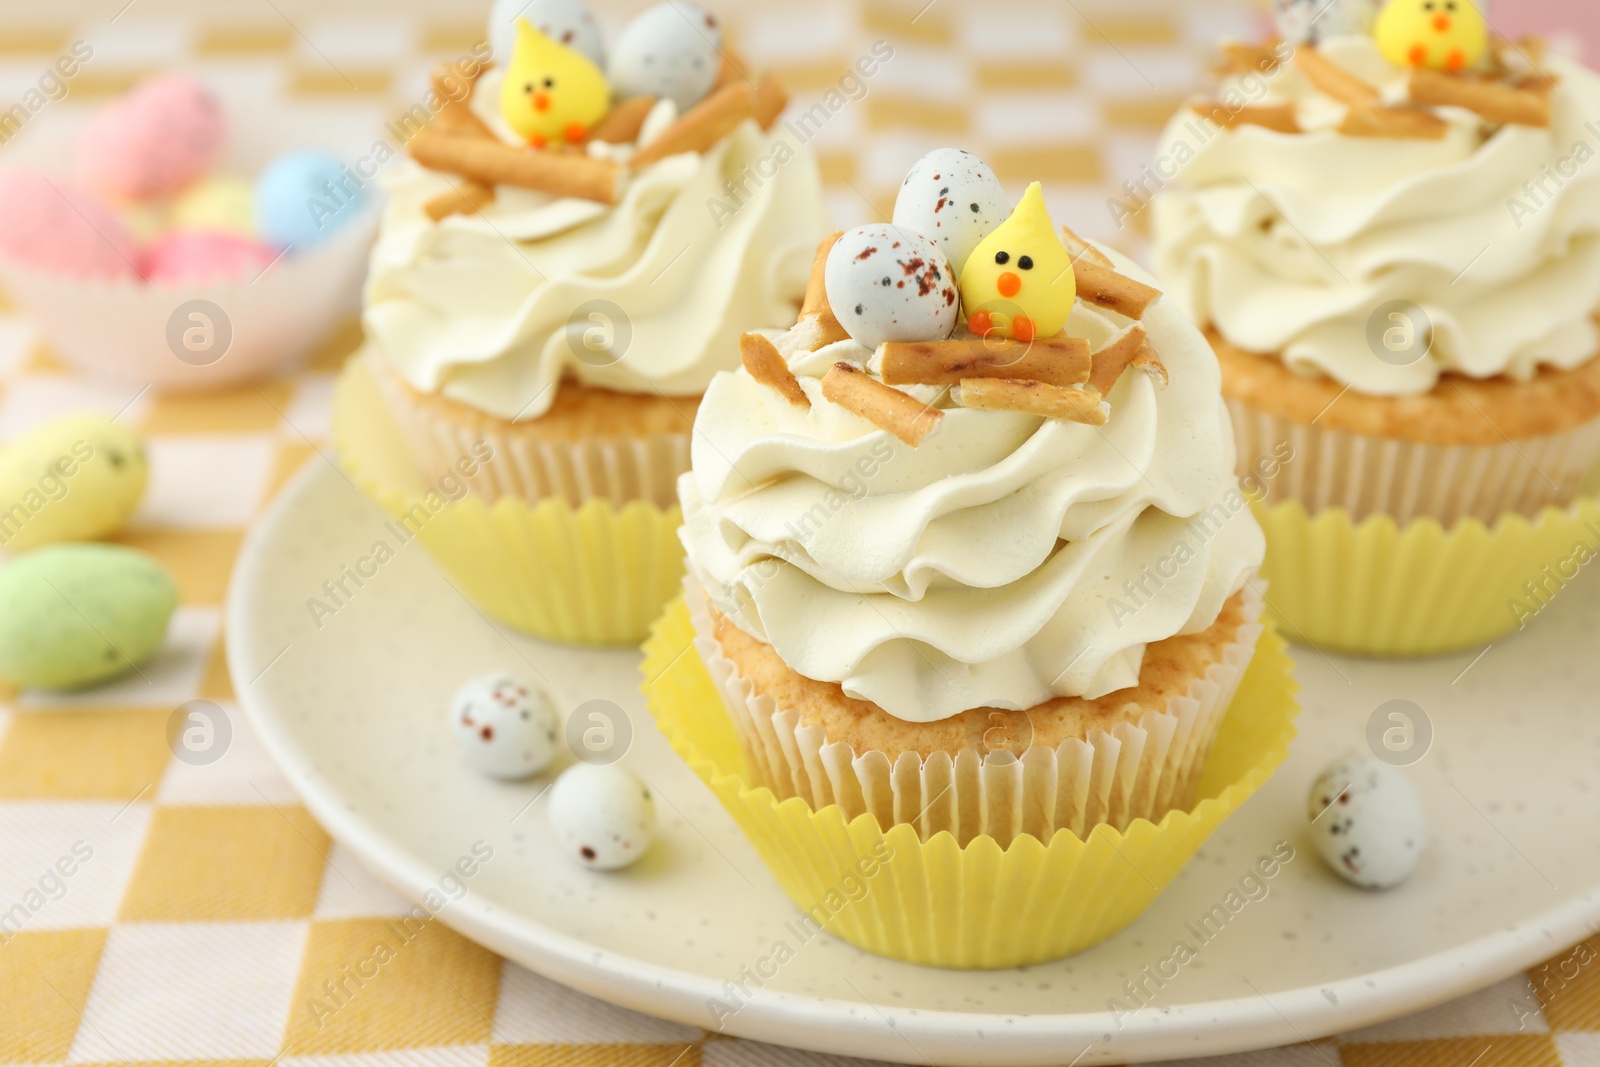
(49,225)
(212,308)
(152,141)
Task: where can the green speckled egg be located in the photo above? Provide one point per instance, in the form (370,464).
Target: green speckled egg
(73,615)
(71,479)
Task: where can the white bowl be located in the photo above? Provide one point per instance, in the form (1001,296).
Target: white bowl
(199,335)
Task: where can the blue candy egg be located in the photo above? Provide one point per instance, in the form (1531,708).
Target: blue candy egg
(302,198)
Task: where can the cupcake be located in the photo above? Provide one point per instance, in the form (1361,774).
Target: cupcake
(1393,246)
(970,577)
(568,259)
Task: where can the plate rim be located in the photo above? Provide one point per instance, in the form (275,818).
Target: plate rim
(1199,1028)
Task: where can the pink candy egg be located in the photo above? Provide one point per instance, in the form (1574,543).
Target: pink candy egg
(152,141)
(204,256)
(48,224)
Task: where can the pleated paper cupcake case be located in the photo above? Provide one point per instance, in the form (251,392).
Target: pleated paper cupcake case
(595,574)
(1406,480)
(1138,769)
(1377,587)
(620,470)
(936,902)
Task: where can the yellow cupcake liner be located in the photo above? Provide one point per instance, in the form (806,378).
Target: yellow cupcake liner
(1378,588)
(979,906)
(595,574)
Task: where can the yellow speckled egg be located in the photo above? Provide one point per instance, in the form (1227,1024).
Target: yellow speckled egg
(224,204)
(71,479)
(146,220)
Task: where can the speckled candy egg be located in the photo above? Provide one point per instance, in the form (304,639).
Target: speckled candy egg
(220,204)
(506,725)
(602,816)
(204,256)
(302,198)
(78,614)
(953,197)
(667,51)
(1306,21)
(888,283)
(569,22)
(1367,821)
(151,141)
(48,224)
(70,479)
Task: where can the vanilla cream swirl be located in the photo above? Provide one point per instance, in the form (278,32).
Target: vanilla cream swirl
(992,565)
(1289,243)
(477,307)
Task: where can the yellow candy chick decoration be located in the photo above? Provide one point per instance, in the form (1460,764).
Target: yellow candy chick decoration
(1018,282)
(551,93)
(1442,34)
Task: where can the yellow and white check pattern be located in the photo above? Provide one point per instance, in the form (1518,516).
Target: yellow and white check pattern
(153,911)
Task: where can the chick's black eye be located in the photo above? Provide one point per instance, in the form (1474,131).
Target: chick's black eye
(1026,262)
(1002,257)
(549,83)
(528,88)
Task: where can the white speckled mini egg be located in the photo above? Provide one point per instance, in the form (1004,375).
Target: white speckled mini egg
(569,22)
(506,726)
(1367,821)
(953,197)
(888,283)
(1313,21)
(669,50)
(603,817)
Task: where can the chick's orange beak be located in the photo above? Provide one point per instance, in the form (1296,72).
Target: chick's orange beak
(541,101)
(1441,23)
(1008,284)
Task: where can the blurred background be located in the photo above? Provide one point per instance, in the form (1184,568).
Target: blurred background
(1072,92)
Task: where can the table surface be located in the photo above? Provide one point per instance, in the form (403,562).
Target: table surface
(207,917)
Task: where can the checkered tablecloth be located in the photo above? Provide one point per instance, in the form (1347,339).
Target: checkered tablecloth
(156,911)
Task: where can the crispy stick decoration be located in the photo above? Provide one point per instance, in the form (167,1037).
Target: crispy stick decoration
(1404,122)
(703,125)
(1058,360)
(771,98)
(493,163)
(882,405)
(1082,249)
(1115,292)
(1149,361)
(467,198)
(456,115)
(1497,103)
(1114,358)
(766,365)
(1279,117)
(816,306)
(733,68)
(1242,58)
(1527,51)
(1333,79)
(622,123)
(1034,398)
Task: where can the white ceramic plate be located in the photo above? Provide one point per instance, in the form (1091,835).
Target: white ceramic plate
(354,712)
